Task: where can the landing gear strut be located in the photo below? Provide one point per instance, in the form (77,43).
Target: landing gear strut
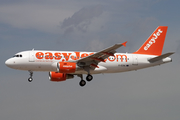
(30,79)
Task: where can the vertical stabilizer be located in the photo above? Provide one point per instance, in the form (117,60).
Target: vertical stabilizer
(154,44)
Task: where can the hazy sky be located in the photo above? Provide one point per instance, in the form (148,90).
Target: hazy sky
(89,25)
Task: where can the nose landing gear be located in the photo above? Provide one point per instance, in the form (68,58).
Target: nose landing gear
(30,79)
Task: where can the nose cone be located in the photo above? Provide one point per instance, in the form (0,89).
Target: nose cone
(9,63)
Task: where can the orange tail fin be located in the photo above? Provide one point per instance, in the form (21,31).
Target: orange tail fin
(154,44)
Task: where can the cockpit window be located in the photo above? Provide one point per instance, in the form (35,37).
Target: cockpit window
(18,55)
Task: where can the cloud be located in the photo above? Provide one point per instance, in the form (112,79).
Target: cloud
(81,19)
(44,18)
(95,45)
(47,17)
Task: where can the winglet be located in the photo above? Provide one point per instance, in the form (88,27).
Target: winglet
(124,44)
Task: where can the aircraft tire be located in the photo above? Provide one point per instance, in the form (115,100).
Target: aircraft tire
(89,77)
(30,79)
(82,83)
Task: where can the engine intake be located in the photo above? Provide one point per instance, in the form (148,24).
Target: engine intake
(58,77)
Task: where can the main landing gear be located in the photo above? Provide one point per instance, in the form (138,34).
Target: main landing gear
(83,82)
(89,77)
(30,79)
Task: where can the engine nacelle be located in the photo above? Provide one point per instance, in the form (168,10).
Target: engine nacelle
(58,77)
(66,67)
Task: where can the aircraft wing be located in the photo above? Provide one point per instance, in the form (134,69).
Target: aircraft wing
(100,56)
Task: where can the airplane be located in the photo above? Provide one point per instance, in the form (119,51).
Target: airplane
(63,65)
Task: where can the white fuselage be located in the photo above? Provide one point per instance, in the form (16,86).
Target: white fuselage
(38,60)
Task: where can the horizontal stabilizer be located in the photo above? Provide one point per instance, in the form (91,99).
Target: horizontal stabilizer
(160,57)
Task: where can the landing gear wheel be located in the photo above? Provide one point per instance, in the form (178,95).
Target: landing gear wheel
(30,79)
(89,77)
(82,83)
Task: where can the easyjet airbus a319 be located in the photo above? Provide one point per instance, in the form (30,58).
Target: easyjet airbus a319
(63,65)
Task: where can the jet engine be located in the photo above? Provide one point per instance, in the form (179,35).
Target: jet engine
(58,77)
(66,67)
